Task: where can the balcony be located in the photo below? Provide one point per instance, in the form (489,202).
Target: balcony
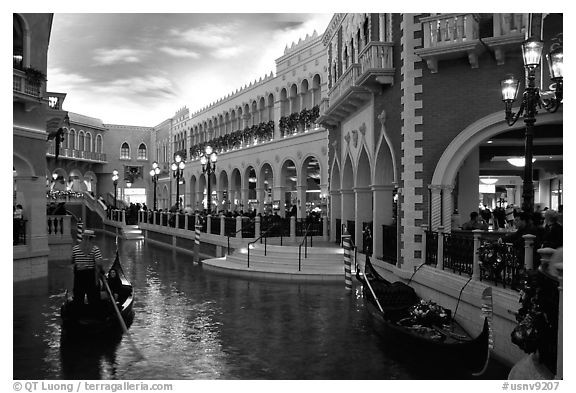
(356,86)
(27,90)
(451,36)
(509,33)
(78,155)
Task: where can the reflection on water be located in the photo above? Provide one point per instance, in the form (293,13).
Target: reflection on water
(192,324)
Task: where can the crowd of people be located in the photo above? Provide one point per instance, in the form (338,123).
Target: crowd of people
(545,224)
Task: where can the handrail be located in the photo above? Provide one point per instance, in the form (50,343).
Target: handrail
(263,235)
(305,241)
(239,230)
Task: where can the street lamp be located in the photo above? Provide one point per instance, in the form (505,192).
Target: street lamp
(154,172)
(532,99)
(178,172)
(115,182)
(208,160)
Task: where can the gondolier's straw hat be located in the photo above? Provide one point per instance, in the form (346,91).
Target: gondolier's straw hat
(88,233)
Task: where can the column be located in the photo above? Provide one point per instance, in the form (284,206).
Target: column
(510,197)
(436,205)
(277,114)
(260,195)
(244,194)
(335,212)
(448,207)
(279,194)
(347,205)
(382,214)
(220,199)
(301,195)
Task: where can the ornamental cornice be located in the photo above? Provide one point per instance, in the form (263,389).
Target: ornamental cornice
(332,26)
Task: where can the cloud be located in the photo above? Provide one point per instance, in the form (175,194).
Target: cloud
(227,52)
(105,56)
(150,86)
(208,35)
(64,81)
(180,52)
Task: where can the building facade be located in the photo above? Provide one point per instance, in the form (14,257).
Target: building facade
(30,122)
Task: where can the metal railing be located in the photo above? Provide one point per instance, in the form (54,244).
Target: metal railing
(263,235)
(458,253)
(236,232)
(305,243)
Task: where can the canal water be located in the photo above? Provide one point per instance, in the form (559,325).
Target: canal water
(195,324)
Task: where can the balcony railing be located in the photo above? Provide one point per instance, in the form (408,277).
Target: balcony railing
(506,24)
(447,29)
(73,153)
(345,82)
(376,55)
(24,85)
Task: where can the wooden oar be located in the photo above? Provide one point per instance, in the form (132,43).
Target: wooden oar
(371,290)
(119,316)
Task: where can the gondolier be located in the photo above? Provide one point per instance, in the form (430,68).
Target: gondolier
(87,261)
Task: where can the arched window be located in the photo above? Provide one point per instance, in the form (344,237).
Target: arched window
(98,143)
(81,140)
(88,145)
(125,151)
(142,152)
(18,42)
(72,140)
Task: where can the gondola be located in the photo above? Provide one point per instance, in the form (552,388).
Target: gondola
(447,344)
(100,319)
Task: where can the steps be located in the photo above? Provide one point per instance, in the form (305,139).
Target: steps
(132,232)
(322,263)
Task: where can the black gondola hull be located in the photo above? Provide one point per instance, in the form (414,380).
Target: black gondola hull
(461,356)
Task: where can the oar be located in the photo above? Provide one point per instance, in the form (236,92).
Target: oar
(119,316)
(371,290)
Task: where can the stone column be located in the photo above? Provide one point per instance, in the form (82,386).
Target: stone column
(244,194)
(382,214)
(335,212)
(436,205)
(260,195)
(510,196)
(440,260)
(301,195)
(279,194)
(277,115)
(209,223)
(257,231)
(447,207)
(476,257)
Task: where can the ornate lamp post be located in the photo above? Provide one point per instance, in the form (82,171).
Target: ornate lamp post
(154,172)
(532,99)
(115,182)
(208,160)
(178,171)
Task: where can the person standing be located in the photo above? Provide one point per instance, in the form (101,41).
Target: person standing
(87,261)
(18,223)
(553,230)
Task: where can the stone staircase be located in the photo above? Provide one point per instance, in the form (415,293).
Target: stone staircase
(324,263)
(132,232)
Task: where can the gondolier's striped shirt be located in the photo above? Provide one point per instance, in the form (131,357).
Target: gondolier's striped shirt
(83,261)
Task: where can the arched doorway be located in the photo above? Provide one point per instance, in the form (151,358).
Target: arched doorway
(288,181)
(311,182)
(249,194)
(264,189)
(466,149)
(222,193)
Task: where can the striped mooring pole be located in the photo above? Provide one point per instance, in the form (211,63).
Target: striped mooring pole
(347,262)
(79,230)
(197,242)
